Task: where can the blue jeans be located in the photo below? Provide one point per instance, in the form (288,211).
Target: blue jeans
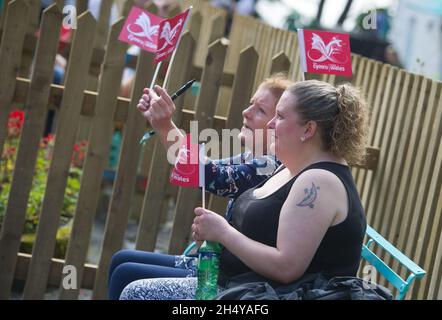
(130,265)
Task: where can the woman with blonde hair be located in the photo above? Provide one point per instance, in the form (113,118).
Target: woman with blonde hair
(225,177)
(307,218)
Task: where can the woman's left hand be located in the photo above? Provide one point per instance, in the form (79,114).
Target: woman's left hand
(209,225)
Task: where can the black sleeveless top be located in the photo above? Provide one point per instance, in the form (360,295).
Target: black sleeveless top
(339,252)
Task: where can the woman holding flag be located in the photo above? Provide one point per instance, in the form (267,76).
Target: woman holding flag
(305,219)
(232,176)
(226,177)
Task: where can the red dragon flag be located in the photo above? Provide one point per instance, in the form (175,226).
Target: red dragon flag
(189,166)
(141,28)
(169,34)
(325,52)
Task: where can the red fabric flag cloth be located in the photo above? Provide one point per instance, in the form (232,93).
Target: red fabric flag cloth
(169,35)
(325,52)
(189,169)
(141,29)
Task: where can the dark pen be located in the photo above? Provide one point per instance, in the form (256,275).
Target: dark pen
(179,92)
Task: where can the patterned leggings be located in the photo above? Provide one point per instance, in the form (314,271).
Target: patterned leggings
(161,289)
(131,265)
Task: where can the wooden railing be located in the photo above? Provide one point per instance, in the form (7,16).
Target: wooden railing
(400,183)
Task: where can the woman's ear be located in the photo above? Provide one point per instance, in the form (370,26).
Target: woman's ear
(310,129)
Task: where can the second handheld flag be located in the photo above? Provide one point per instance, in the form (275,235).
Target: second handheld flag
(189,166)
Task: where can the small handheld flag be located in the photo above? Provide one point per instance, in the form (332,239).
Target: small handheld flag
(141,28)
(154,34)
(325,52)
(169,34)
(189,167)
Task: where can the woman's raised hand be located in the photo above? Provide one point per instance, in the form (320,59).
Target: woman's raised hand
(157,107)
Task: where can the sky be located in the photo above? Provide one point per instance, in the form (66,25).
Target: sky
(275,13)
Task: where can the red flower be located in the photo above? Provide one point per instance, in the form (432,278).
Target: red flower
(48,138)
(15,122)
(78,154)
(18,115)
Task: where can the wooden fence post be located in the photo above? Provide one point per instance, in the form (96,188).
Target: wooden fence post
(4,12)
(414,206)
(159,170)
(280,63)
(379,127)
(195,25)
(29,46)
(71,104)
(127,6)
(34,16)
(97,155)
(426,201)
(82,6)
(10,54)
(399,120)
(101,35)
(205,110)
(407,162)
(411,85)
(242,91)
(243,34)
(211,32)
(124,184)
(434,287)
(374,81)
(218,25)
(103,23)
(36,110)
(431,254)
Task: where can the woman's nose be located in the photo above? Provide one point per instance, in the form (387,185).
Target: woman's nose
(246,113)
(271,123)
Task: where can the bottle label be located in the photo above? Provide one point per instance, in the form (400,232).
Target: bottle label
(208,266)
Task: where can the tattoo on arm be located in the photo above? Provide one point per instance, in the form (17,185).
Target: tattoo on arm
(310,196)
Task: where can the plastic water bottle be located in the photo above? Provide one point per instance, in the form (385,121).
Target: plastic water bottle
(208,268)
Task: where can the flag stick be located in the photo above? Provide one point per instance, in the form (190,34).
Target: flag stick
(155,75)
(166,79)
(201,163)
(204,197)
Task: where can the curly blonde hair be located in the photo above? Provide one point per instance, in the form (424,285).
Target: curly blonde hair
(341,115)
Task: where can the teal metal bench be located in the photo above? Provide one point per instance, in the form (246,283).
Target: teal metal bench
(392,277)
